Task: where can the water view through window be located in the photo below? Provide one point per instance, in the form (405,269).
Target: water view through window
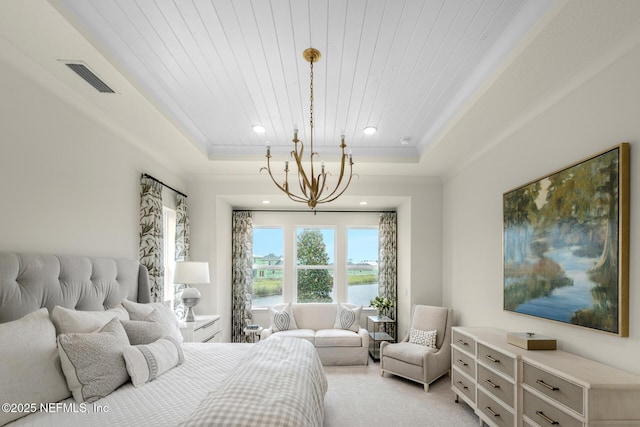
(315,271)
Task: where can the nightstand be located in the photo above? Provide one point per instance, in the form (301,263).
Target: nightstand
(206,328)
(253,334)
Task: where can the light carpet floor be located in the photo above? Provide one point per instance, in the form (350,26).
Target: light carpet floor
(359,396)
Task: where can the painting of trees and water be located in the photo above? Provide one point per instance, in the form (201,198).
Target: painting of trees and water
(566,244)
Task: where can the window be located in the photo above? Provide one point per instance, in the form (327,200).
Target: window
(268,265)
(169,236)
(328,257)
(315,268)
(362,265)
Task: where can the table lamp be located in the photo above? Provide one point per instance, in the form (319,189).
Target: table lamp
(189,273)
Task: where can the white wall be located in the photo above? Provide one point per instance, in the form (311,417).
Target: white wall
(598,114)
(68,185)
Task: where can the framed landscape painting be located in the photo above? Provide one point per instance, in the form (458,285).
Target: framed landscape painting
(566,244)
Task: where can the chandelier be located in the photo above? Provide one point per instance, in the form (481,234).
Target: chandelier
(313,188)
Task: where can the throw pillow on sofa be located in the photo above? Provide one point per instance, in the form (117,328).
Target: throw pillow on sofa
(282,320)
(348,318)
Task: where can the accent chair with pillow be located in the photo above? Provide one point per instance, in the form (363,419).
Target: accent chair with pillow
(424,355)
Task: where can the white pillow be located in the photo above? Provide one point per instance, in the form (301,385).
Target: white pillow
(147,362)
(426,338)
(348,318)
(93,362)
(30,369)
(141,332)
(282,320)
(163,315)
(70,321)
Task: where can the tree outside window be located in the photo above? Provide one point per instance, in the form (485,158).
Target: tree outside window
(315,272)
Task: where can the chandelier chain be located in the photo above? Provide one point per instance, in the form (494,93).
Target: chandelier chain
(311,102)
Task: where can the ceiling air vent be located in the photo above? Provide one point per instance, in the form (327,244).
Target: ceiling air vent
(89,77)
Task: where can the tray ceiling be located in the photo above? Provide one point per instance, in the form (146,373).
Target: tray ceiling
(217,67)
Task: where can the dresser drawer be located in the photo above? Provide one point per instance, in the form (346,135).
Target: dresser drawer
(497,360)
(496,385)
(463,385)
(464,342)
(207,331)
(557,388)
(545,414)
(464,362)
(494,411)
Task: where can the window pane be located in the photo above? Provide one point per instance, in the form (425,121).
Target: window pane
(268,263)
(315,285)
(362,265)
(315,249)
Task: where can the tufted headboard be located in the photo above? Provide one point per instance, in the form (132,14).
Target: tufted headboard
(29,282)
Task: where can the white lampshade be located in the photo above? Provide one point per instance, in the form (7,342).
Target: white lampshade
(189,272)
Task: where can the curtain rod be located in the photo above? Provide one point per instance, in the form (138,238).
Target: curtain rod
(314,211)
(144,175)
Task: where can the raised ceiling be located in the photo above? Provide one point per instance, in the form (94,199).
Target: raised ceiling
(217,67)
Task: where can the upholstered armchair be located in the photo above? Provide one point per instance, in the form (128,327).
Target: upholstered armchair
(419,362)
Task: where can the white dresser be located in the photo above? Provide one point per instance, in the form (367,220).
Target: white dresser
(204,329)
(510,386)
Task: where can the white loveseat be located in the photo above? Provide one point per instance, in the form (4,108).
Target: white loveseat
(315,323)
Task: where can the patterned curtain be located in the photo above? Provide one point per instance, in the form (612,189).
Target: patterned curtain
(150,251)
(182,247)
(387,264)
(242,276)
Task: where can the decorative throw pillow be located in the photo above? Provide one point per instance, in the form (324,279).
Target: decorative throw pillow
(426,338)
(93,363)
(30,369)
(142,332)
(162,314)
(147,362)
(70,321)
(348,318)
(282,320)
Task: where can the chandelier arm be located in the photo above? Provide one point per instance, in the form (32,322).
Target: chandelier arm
(340,178)
(327,199)
(285,188)
(322,180)
(304,183)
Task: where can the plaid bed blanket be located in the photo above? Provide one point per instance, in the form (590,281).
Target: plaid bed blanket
(280,383)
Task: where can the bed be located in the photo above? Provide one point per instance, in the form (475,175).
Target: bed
(275,382)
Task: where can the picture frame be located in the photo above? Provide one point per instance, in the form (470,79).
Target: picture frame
(566,244)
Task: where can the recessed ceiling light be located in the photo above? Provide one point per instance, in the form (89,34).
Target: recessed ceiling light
(258,129)
(369,130)
(363,203)
(405,141)
(266,202)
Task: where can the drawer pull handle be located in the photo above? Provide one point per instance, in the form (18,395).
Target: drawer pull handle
(494,360)
(462,362)
(492,384)
(547,419)
(462,342)
(462,385)
(492,412)
(550,387)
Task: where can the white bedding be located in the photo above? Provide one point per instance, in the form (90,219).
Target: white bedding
(166,401)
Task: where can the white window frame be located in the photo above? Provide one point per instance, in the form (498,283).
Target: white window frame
(332,268)
(290,221)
